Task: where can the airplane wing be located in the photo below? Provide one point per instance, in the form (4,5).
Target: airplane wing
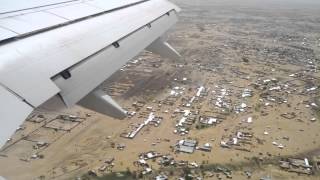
(56,53)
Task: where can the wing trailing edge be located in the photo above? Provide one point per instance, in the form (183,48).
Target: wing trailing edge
(13,112)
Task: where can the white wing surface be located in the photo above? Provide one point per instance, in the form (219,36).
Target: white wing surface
(57,52)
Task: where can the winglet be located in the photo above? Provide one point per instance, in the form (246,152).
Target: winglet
(164,49)
(100,102)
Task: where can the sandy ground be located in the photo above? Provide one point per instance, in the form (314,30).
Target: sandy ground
(225,45)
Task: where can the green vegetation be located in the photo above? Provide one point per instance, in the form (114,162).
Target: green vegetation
(201,126)
(257,107)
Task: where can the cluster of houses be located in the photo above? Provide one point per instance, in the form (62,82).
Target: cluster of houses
(300,166)
(238,141)
(152,120)
(189,146)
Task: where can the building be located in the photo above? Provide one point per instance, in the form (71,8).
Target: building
(186,146)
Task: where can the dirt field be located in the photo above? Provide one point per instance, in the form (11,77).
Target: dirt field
(270,48)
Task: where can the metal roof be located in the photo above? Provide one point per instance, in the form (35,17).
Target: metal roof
(190,143)
(186,149)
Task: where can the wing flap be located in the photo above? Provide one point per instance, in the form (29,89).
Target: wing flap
(91,72)
(13,112)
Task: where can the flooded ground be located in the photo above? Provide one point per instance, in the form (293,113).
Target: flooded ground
(251,68)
